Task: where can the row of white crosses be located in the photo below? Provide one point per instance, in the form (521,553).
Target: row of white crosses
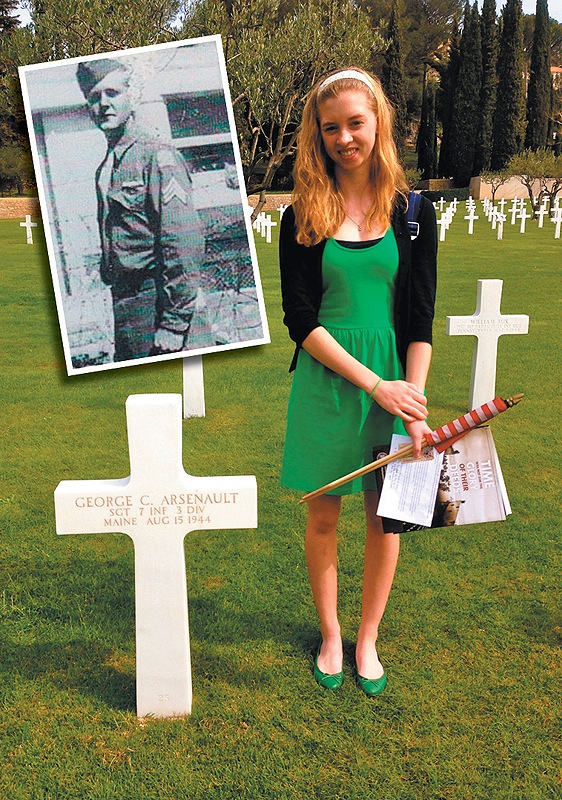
(263,223)
(447,214)
(556,217)
(494,214)
(497,215)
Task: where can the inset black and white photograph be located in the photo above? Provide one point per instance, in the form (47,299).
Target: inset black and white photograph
(144,206)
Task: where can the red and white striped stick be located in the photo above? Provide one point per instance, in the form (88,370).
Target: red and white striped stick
(440,439)
(445,436)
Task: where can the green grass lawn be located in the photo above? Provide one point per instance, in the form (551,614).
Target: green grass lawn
(471,638)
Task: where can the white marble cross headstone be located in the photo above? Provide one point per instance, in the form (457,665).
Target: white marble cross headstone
(156,506)
(500,218)
(523,216)
(266,226)
(487,324)
(28,225)
(514,209)
(443,223)
(541,214)
(193,387)
(471,217)
(258,222)
(557,219)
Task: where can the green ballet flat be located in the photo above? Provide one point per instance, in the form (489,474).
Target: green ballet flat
(372,687)
(325,680)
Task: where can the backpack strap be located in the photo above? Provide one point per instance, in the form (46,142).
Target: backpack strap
(414,203)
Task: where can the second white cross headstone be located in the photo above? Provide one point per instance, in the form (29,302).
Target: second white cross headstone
(487,324)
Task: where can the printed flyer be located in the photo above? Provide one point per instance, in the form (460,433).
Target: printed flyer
(463,485)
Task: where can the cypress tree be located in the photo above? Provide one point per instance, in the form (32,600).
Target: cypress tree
(509,117)
(466,105)
(427,136)
(489,36)
(448,87)
(393,78)
(540,82)
(12,116)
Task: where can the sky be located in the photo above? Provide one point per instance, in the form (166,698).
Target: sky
(529,7)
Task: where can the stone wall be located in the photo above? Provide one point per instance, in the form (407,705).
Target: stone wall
(18,207)
(272,201)
(479,189)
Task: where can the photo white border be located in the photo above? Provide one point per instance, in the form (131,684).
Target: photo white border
(46,207)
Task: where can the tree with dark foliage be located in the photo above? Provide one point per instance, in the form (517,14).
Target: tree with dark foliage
(540,82)
(448,88)
(8,20)
(393,78)
(489,36)
(427,136)
(509,118)
(466,102)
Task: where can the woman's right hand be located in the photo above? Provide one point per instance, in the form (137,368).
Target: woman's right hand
(402,399)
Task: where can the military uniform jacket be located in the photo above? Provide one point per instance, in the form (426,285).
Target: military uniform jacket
(149,226)
(414,298)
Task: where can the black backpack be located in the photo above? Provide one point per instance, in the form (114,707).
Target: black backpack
(414,203)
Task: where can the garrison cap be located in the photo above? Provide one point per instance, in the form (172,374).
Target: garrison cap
(89,73)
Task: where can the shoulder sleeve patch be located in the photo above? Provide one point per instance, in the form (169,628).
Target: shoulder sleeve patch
(165,158)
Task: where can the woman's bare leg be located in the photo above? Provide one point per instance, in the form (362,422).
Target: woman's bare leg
(322,562)
(381,557)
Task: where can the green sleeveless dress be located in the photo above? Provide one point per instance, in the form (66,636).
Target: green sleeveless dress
(332,425)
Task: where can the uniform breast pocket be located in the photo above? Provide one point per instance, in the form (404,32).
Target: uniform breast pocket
(130,196)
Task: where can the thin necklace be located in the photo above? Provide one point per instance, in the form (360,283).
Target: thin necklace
(359,227)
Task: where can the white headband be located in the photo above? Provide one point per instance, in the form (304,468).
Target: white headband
(345,73)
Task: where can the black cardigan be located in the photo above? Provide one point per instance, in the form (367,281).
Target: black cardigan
(414,298)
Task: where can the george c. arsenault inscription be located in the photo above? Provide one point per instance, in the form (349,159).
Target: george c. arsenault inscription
(184,508)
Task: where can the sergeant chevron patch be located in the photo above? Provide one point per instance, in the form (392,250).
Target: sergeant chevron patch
(174,190)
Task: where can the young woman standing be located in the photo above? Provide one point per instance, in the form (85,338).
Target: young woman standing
(358,297)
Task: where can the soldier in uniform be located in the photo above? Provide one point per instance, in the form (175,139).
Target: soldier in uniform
(152,240)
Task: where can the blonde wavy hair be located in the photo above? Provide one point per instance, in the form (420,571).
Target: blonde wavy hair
(317,200)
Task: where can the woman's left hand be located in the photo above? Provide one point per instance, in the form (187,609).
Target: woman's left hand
(416,431)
